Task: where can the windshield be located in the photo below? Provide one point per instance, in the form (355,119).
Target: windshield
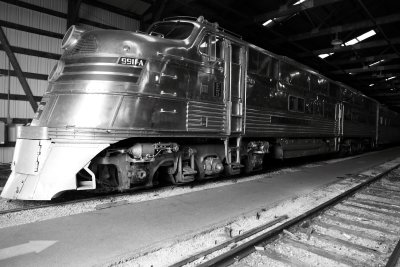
(172,30)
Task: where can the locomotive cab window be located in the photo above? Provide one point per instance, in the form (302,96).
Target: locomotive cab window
(211,46)
(172,30)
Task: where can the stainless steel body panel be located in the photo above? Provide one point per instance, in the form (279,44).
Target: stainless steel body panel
(206,117)
(151,113)
(358,130)
(124,103)
(388,123)
(281,124)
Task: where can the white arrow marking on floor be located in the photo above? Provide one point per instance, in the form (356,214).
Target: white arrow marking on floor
(36,246)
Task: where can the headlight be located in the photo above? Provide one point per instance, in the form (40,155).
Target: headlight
(71,37)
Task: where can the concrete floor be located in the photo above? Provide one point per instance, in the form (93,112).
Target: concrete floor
(102,236)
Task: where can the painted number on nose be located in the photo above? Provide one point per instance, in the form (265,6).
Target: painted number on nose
(137,62)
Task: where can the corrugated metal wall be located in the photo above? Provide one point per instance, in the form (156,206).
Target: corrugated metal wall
(18,108)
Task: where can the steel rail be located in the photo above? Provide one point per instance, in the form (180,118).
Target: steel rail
(233,240)
(247,248)
(394,257)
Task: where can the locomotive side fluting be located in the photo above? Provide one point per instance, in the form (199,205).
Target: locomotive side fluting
(187,100)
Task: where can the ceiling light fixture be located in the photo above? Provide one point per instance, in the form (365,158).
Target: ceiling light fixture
(375,63)
(360,38)
(299,2)
(390,78)
(325,55)
(267,22)
(336,41)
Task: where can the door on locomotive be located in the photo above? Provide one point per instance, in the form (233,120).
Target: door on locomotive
(235,66)
(234,85)
(228,58)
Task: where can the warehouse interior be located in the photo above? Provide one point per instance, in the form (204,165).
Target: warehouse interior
(355,42)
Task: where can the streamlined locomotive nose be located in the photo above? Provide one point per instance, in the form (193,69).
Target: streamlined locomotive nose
(97,92)
(41,169)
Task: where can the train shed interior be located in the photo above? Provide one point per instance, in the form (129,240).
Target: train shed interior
(348,202)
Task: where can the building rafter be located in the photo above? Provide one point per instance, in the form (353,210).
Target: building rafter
(366,59)
(371,69)
(286,10)
(17,69)
(73,12)
(316,32)
(361,45)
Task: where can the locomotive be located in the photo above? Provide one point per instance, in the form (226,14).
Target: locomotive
(188,100)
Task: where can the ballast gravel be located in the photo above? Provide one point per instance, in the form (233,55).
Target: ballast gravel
(182,249)
(41,214)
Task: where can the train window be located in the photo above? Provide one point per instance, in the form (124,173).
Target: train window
(253,61)
(211,46)
(218,47)
(359,100)
(268,66)
(319,85)
(292,103)
(293,75)
(319,108)
(235,54)
(203,47)
(296,104)
(348,95)
(263,64)
(172,30)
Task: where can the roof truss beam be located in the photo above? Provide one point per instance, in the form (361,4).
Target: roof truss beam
(286,10)
(113,9)
(362,45)
(73,12)
(378,27)
(380,76)
(316,32)
(383,95)
(364,59)
(370,69)
(18,70)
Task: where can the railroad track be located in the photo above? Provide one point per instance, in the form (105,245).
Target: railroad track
(360,227)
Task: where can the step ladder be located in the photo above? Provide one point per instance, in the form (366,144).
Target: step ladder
(233,167)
